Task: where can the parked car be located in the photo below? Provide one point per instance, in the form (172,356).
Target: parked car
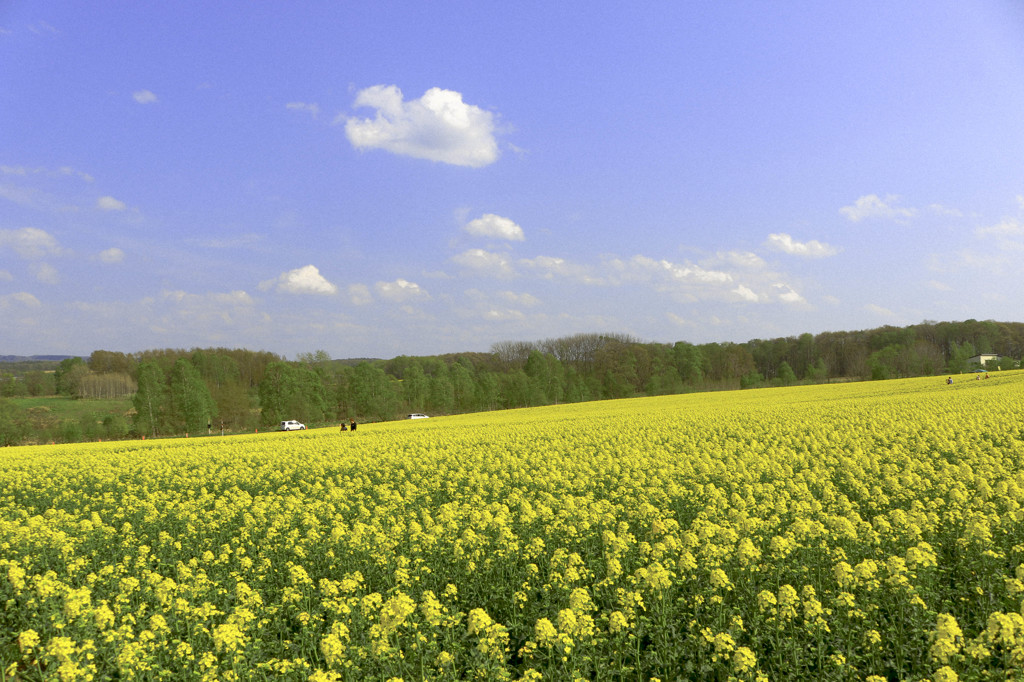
(291,425)
(417,415)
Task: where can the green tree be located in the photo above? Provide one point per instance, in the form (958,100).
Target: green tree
(40,383)
(689,361)
(883,363)
(292,392)
(958,357)
(371,393)
(12,387)
(192,406)
(115,426)
(14,426)
(415,387)
(150,400)
(547,378)
(514,389)
(68,375)
(817,373)
(463,385)
(753,379)
(616,366)
(442,391)
(786,375)
(487,392)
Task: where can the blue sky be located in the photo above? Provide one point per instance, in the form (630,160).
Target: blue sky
(378,179)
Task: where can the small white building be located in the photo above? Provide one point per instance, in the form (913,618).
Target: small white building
(980,360)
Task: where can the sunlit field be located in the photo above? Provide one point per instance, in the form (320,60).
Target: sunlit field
(869,531)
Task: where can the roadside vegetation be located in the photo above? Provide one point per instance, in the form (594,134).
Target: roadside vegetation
(177,392)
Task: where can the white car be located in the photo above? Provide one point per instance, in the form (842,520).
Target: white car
(291,425)
(417,415)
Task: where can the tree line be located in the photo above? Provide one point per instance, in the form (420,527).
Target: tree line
(175,392)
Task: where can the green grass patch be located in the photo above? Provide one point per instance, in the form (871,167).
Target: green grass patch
(63,408)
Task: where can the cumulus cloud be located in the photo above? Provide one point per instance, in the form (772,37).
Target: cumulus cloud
(112,255)
(524,299)
(307,107)
(742,259)
(786,294)
(232,298)
(29,242)
(549,267)
(811,249)
(687,272)
(46,273)
(871,206)
(439,126)
(1005,228)
(485,262)
(144,97)
(400,290)
(304,280)
(746,294)
(490,225)
(496,315)
(21,298)
(109,204)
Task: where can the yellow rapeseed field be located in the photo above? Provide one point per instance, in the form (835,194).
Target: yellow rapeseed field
(869,531)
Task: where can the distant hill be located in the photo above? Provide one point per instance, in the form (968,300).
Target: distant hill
(37,358)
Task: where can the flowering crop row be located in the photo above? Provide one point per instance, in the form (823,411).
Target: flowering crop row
(858,532)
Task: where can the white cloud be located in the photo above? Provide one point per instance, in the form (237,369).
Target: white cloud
(144,97)
(742,259)
(1005,228)
(46,273)
(938,286)
(485,262)
(304,280)
(678,272)
(439,127)
(6,276)
(490,225)
(22,298)
(29,242)
(879,310)
(811,249)
(746,294)
(526,300)
(873,206)
(400,290)
(233,298)
(503,315)
(941,210)
(307,107)
(110,204)
(549,267)
(359,294)
(787,294)
(112,255)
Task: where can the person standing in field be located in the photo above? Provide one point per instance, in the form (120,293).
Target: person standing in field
(352,424)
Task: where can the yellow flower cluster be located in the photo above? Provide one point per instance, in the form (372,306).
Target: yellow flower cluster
(858,531)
